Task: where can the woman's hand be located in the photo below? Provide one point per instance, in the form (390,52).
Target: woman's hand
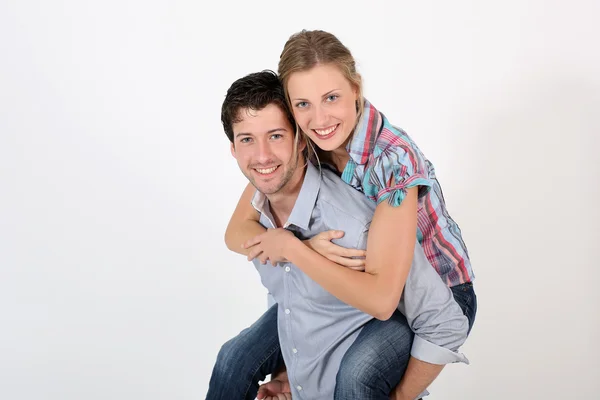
(351,258)
(270,246)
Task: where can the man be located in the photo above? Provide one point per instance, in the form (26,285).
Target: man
(310,330)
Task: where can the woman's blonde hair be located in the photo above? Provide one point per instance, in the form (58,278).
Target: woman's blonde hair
(307,49)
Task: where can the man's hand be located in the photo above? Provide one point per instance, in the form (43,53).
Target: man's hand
(397,396)
(274,390)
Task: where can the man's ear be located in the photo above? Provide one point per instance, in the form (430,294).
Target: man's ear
(232,150)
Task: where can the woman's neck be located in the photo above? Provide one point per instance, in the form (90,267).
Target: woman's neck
(340,158)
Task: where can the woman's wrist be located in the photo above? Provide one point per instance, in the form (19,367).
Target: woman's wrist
(292,246)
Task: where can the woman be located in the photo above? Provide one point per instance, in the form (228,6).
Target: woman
(324,92)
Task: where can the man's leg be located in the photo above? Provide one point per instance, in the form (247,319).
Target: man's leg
(246,359)
(376,361)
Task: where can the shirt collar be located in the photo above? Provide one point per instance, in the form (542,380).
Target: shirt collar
(303,208)
(365,134)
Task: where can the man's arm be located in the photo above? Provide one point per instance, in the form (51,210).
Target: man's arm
(417,378)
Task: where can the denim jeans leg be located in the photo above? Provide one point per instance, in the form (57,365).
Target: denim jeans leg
(466,298)
(246,359)
(376,361)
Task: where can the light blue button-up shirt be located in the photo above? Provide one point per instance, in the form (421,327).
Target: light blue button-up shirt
(315,328)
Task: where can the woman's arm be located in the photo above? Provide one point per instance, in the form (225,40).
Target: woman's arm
(390,248)
(243,224)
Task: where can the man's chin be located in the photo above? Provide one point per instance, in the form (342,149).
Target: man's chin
(266,189)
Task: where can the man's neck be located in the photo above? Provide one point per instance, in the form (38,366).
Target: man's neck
(282,203)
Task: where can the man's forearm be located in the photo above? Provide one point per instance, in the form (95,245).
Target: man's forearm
(417,377)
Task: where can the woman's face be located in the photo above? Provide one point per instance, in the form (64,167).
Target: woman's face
(324,105)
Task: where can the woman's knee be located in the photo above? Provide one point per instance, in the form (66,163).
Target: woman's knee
(359,367)
(378,357)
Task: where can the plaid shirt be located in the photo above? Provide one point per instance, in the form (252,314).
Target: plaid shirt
(384,163)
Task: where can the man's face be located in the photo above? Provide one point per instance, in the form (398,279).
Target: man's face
(263,145)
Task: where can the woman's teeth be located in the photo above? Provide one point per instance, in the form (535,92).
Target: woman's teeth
(324,132)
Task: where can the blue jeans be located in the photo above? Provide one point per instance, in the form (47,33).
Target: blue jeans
(370,369)
(374,364)
(247,359)
(467,300)
(376,361)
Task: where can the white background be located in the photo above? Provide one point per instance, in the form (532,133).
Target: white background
(117,183)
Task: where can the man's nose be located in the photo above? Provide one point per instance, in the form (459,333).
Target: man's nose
(264,151)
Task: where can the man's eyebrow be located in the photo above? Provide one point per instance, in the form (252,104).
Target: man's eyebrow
(268,132)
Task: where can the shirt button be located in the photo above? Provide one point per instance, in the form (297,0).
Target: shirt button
(294,351)
(287,310)
(287,269)
(299,387)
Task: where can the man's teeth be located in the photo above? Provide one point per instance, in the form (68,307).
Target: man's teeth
(327,131)
(266,171)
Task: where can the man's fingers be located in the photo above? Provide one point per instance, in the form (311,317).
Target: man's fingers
(272,390)
(261,395)
(265,391)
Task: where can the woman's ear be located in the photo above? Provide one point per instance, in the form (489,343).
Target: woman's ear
(356,87)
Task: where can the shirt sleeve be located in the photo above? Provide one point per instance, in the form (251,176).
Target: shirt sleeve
(434,316)
(399,167)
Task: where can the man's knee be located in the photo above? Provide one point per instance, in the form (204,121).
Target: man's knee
(251,348)
(227,364)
